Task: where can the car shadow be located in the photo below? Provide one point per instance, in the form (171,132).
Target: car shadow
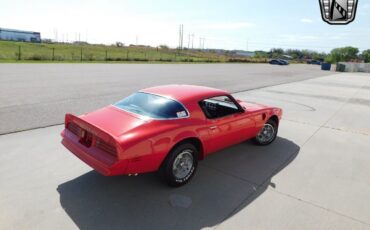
(225,182)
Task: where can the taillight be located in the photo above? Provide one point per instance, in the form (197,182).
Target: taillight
(74,128)
(86,138)
(106,147)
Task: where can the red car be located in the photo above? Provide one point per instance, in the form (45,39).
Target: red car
(166,129)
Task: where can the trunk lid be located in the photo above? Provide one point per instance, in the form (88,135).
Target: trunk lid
(113,120)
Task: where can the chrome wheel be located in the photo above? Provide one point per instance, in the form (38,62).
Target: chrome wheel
(266,134)
(183,164)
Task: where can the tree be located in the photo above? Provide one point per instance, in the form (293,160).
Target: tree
(261,54)
(295,53)
(276,52)
(343,54)
(366,55)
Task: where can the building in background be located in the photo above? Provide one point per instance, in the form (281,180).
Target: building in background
(19,35)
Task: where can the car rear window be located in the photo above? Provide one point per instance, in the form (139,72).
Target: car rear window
(154,106)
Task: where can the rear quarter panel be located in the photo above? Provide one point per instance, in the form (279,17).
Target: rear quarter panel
(148,145)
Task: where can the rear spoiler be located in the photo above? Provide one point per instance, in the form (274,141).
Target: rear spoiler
(100,133)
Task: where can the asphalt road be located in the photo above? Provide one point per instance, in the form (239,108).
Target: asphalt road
(38,95)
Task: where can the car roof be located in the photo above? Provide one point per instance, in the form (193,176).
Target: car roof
(185,93)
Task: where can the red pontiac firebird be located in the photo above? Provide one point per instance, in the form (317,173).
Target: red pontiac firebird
(167,129)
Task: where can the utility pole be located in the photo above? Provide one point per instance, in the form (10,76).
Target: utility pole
(53,54)
(192,41)
(201,43)
(19,53)
(181,36)
(189,41)
(137,39)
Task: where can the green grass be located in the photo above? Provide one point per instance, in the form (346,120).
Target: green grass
(11,51)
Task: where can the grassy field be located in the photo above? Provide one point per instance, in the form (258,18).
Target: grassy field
(11,51)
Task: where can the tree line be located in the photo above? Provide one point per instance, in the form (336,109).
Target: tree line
(343,54)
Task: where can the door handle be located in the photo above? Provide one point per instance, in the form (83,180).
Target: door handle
(213,127)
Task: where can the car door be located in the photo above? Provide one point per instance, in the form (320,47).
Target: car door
(228,128)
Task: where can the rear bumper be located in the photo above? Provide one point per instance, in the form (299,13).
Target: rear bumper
(102,162)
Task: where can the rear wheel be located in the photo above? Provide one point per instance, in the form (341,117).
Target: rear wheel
(180,165)
(267,134)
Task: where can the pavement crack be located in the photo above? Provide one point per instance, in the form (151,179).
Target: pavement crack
(301,122)
(320,207)
(356,131)
(231,175)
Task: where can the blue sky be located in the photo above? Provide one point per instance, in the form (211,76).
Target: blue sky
(233,24)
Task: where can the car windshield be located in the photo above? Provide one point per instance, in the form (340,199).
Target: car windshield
(153,106)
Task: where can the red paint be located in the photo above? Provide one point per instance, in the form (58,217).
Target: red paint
(115,142)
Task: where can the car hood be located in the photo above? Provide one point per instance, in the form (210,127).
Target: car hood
(113,120)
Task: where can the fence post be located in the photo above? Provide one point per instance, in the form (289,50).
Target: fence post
(127,54)
(106,55)
(81,55)
(53,54)
(19,53)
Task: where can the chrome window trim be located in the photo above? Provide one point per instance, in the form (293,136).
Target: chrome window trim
(226,116)
(158,119)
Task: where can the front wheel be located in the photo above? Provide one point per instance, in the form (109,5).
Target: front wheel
(267,134)
(180,165)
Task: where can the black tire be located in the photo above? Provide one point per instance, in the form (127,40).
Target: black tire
(167,171)
(275,126)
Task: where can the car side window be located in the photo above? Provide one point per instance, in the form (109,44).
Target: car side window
(217,107)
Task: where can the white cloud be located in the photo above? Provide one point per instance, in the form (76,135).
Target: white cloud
(227,26)
(306,20)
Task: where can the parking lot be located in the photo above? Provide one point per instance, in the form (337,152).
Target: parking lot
(316,175)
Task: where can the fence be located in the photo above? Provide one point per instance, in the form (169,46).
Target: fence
(59,52)
(353,67)
(73,54)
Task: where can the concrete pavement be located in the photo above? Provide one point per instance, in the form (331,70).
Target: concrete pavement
(315,176)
